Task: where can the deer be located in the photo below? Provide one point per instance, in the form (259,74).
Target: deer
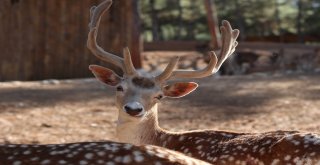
(88,153)
(138,95)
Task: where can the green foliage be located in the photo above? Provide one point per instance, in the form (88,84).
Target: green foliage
(186,19)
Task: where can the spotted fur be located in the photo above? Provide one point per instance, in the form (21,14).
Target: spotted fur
(89,153)
(223,147)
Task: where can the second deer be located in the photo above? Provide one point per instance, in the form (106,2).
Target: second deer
(88,153)
(137,99)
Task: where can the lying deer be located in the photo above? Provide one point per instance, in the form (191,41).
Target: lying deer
(88,153)
(137,99)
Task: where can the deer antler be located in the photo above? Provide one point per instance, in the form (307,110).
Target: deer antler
(229,43)
(95,16)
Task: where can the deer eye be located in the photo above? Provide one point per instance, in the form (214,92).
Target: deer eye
(159,97)
(119,88)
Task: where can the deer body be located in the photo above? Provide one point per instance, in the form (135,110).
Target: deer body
(88,153)
(222,147)
(137,99)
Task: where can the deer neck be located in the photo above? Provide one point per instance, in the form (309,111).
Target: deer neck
(140,131)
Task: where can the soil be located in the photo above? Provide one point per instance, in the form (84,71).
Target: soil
(76,110)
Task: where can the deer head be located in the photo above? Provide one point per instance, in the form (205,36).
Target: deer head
(138,94)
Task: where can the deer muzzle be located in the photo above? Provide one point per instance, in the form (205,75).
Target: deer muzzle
(134,109)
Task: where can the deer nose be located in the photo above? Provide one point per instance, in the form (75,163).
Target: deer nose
(134,108)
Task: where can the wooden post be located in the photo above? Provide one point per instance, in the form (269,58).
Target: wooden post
(124,29)
(135,43)
(212,23)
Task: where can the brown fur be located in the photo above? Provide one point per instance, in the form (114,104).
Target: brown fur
(143,82)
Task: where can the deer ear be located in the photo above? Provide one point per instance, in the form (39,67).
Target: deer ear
(105,75)
(179,89)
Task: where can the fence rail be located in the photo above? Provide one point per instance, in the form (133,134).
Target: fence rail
(201,45)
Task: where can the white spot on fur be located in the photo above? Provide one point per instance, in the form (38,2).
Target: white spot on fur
(288,157)
(27,152)
(89,155)
(100,161)
(24,146)
(83,162)
(101,153)
(262,151)
(74,145)
(289,138)
(126,159)
(138,158)
(199,147)
(224,156)
(53,152)
(17,163)
(181,138)
(45,162)
(295,142)
(198,141)
(268,142)
(110,163)
(127,146)
(118,159)
(136,153)
(62,162)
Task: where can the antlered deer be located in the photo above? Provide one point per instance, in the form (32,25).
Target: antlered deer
(137,99)
(88,153)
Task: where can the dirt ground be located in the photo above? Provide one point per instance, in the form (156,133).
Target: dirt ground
(83,110)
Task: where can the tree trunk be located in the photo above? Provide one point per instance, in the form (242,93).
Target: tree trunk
(213,24)
(154,21)
(179,29)
(299,21)
(240,20)
(278,20)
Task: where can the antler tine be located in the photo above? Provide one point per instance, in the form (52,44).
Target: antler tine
(168,70)
(229,44)
(96,13)
(197,73)
(128,65)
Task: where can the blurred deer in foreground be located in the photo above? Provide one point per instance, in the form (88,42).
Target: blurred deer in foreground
(137,99)
(88,153)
